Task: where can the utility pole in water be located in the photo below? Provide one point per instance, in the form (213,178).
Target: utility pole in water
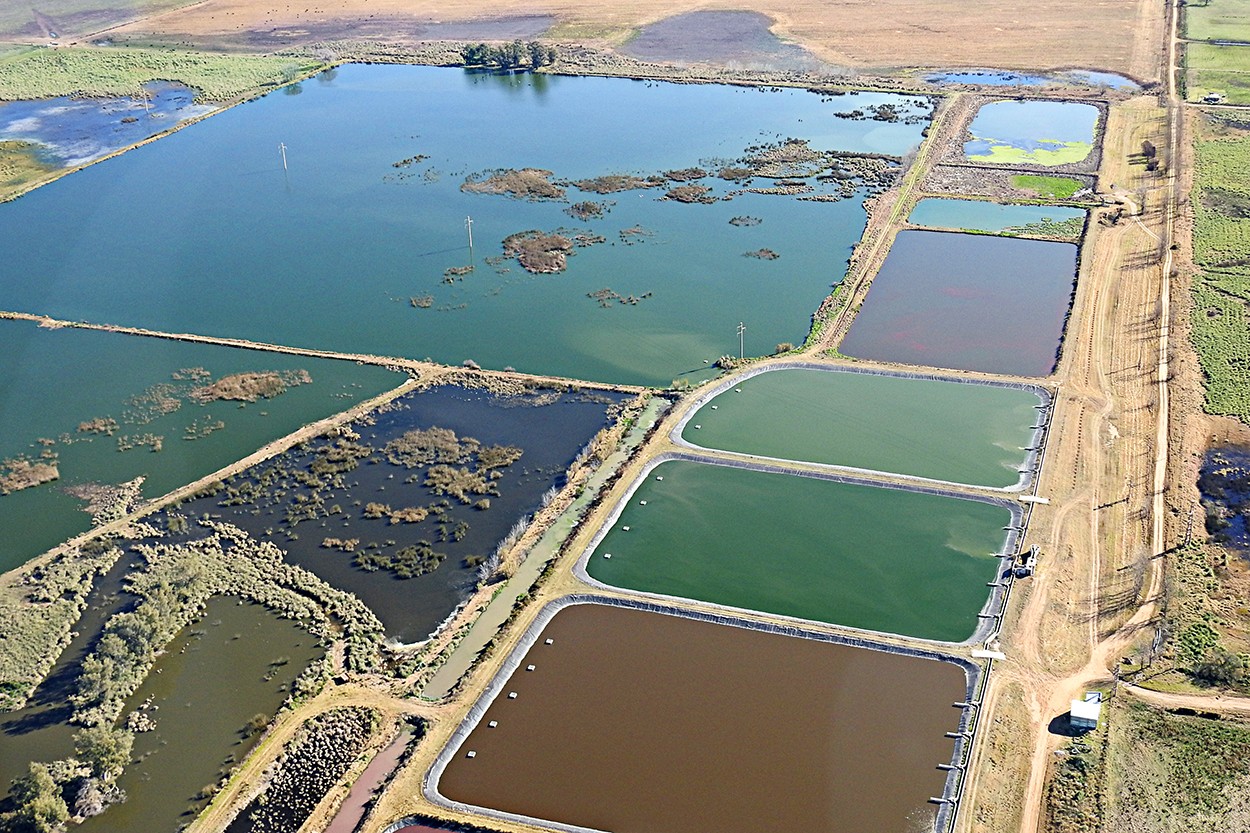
(282,150)
(742,328)
(468,225)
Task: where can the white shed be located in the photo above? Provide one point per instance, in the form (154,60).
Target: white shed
(1085,712)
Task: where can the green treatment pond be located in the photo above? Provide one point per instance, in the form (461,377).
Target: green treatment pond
(866,557)
(952,431)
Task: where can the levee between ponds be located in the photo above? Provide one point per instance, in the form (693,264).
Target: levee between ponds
(430,784)
(990,611)
(1028,470)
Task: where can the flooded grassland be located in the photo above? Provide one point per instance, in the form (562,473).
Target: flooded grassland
(406,508)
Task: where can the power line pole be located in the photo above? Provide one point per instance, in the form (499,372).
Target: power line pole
(742,328)
(468,225)
(282,150)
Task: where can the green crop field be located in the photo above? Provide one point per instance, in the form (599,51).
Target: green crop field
(1221,202)
(1218,20)
(1049,187)
(46,73)
(1217,69)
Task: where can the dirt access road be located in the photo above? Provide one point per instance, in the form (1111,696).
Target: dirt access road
(859,34)
(1106,530)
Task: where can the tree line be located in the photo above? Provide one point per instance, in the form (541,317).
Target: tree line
(509,55)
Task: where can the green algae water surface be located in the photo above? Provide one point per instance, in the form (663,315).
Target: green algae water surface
(349,247)
(879,559)
(942,430)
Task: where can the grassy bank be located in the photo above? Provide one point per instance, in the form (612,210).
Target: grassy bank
(1227,20)
(1048,187)
(1204,625)
(1168,773)
(1221,205)
(20,164)
(101,71)
(1213,68)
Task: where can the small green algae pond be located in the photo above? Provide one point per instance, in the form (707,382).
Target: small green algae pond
(957,432)
(884,560)
(1032,132)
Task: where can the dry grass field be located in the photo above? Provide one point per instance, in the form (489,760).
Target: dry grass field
(1117,35)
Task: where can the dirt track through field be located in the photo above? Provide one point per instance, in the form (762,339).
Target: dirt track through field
(864,34)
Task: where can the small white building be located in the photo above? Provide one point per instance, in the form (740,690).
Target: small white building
(1084,714)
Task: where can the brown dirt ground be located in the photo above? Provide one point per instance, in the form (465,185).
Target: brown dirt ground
(850,33)
(1069,622)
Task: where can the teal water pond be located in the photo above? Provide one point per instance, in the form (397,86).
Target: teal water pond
(981,215)
(952,431)
(54,381)
(204,231)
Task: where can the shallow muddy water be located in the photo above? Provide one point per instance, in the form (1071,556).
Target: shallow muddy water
(968,302)
(234,664)
(727,38)
(880,559)
(54,381)
(1004,78)
(697,727)
(339,250)
(75,131)
(981,215)
(942,430)
(311,518)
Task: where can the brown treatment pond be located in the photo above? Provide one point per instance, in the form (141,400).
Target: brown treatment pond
(639,722)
